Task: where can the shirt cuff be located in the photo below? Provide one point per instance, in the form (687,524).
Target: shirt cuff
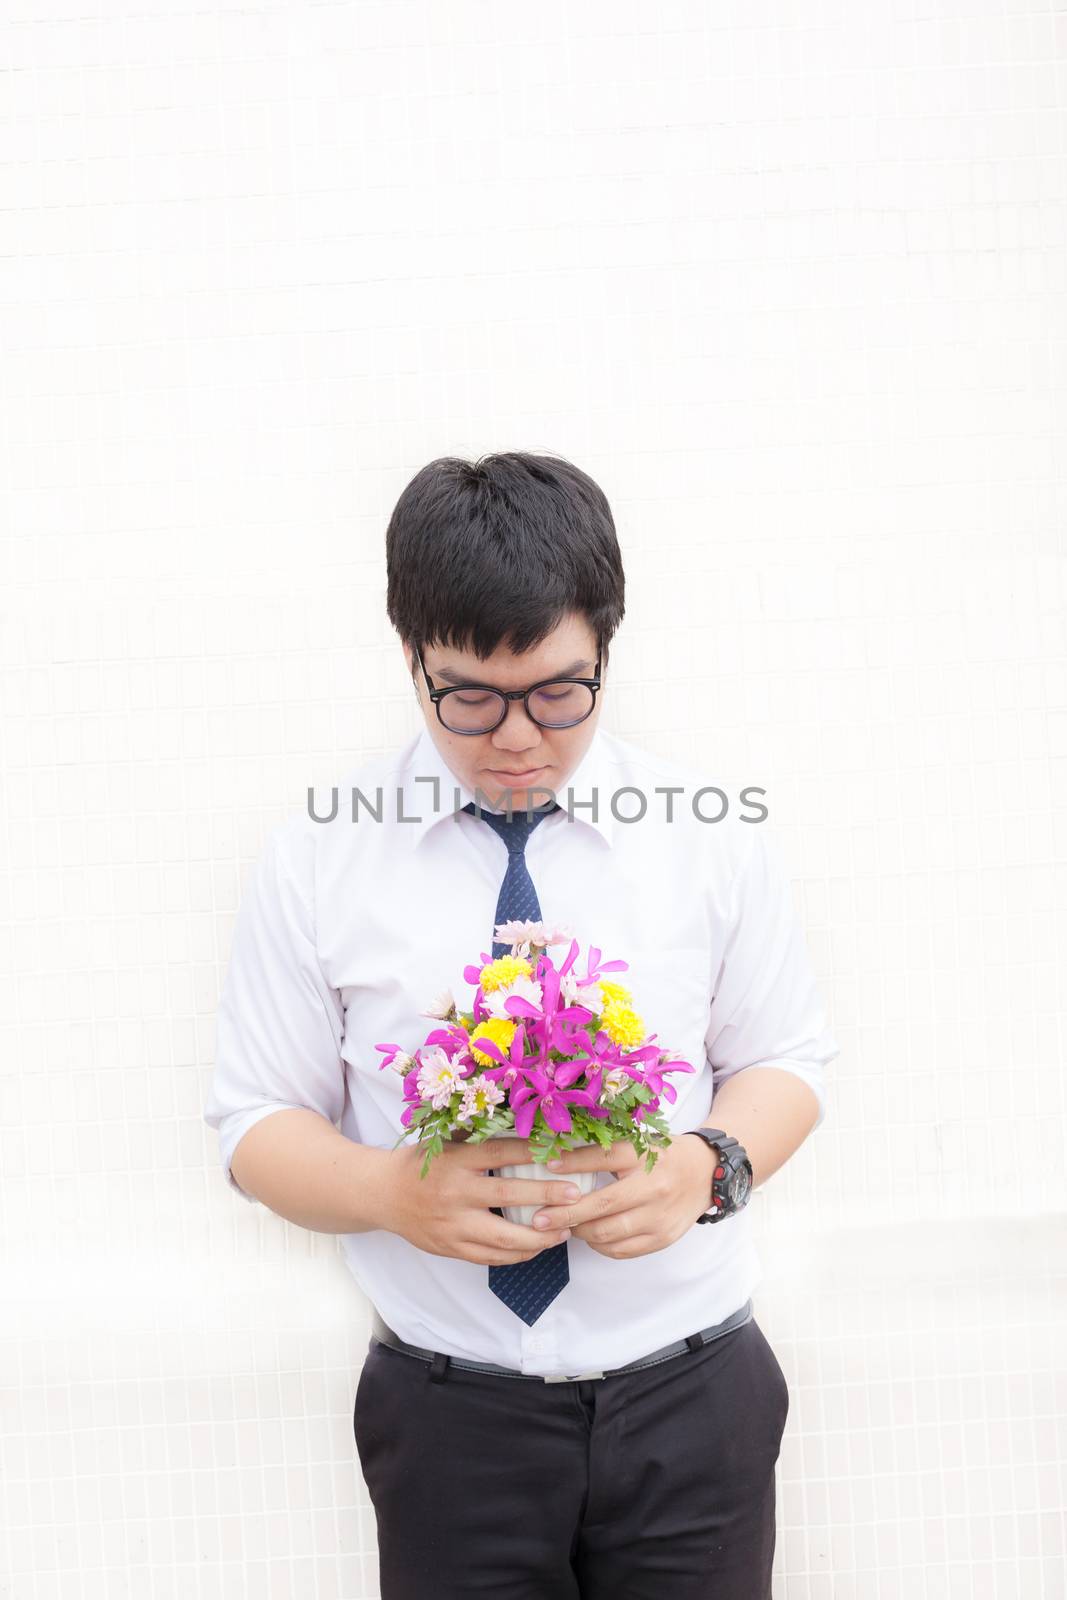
(232,1130)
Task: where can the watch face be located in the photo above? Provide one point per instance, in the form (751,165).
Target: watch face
(739,1186)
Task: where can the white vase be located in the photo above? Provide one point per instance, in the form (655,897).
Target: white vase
(585,1181)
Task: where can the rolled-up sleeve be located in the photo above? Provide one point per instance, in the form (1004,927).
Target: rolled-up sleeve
(766,1010)
(279,1024)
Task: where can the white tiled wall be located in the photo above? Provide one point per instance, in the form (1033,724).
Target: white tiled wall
(788,280)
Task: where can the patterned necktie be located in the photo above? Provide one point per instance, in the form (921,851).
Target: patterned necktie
(526,1287)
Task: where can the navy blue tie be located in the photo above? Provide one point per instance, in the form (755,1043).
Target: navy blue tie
(526,1287)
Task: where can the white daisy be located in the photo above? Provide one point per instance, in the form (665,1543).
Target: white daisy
(440,1007)
(520,933)
(480,1095)
(438,1078)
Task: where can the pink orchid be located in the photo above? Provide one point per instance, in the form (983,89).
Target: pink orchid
(412,1093)
(543,1094)
(594,966)
(510,1071)
(472,973)
(603,1054)
(549,1019)
(653,1077)
(452,1039)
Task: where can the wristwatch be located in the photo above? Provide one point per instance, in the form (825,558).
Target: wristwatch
(731,1187)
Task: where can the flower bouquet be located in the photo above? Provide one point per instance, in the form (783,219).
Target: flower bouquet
(544,1054)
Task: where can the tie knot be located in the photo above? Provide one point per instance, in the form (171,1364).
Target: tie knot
(516,829)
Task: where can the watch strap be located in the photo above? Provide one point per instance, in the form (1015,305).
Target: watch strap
(731,1154)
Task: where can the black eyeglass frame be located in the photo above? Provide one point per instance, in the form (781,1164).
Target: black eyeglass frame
(437,695)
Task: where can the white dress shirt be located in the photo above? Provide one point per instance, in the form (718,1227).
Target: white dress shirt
(347,930)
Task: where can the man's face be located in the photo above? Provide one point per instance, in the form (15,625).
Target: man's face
(518,755)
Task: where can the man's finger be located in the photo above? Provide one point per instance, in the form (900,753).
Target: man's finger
(619,1157)
(521,1191)
(638,1244)
(499,1152)
(601,1203)
(505,1235)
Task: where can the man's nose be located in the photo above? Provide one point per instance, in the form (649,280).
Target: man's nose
(518,730)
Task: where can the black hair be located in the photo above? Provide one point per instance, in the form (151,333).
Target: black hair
(498,551)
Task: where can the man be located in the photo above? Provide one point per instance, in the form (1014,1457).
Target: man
(584,1407)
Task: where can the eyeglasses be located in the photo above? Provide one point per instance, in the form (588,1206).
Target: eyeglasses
(473,708)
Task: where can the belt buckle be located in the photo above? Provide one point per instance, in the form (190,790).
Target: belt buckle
(569,1377)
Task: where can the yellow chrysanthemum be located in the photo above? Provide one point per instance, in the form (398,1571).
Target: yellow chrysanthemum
(623,1025)
(615,993)
(504,970)
(500,1031)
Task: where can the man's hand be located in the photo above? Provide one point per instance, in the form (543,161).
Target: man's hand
(643,1211)
(447,1212)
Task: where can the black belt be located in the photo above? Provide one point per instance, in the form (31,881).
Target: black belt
(381,1331)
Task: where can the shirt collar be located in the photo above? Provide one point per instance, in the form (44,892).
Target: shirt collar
(450,793)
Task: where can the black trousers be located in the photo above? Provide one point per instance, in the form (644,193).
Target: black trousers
(652,1485)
